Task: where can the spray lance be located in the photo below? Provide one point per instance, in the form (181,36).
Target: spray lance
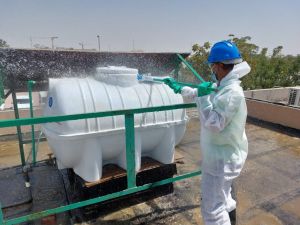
(149,78)
(168,79)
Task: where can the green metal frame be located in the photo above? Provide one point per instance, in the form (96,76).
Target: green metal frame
(96,200)
(130,149)
(130,156)
(30,84)
(3,96)
(19,131)
(51,119)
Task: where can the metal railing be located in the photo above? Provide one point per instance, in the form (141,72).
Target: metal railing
(130,154)
(129,140)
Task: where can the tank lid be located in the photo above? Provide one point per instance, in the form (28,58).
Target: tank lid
(117,75)
(117,70)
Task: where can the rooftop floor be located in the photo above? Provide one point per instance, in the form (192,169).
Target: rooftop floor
(268,190)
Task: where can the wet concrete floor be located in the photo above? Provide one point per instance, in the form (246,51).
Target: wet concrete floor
(268,190)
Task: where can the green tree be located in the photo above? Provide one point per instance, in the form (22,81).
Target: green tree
(198,60)
(266,71)
(3,44)
(277,51)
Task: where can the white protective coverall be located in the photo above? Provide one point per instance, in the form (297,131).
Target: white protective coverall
(223,143)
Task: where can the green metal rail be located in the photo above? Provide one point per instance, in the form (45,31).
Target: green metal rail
(130,147)
(19,131)
(30,84)
(130,156)
(97,200)
(51,119)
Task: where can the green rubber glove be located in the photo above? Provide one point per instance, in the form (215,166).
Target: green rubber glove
(171,82)
(205,88)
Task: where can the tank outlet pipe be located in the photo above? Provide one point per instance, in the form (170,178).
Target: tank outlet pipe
(26,176)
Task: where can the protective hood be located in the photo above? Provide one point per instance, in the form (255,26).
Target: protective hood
(241,69)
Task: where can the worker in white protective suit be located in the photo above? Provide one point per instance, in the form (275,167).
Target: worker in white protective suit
(223,139)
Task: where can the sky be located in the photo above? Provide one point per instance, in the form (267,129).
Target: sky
(151,26)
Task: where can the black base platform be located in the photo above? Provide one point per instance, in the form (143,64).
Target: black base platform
(114,179)
(51,188)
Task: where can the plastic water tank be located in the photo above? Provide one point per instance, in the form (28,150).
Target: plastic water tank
(88,144)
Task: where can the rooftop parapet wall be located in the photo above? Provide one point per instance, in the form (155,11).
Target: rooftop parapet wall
(20,65)
(278,114)
(275,95)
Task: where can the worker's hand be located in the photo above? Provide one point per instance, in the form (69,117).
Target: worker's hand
(205,88)
(171,82)
(188,92)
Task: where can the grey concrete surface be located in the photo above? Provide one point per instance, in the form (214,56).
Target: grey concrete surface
(268,190)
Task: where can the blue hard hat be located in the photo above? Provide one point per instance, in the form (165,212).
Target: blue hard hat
(224,51)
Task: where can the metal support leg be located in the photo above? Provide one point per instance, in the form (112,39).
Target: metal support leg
(16,110)
(130,150)
(30,84)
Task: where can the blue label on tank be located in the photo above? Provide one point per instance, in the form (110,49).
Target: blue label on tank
(139,76)
(50,101)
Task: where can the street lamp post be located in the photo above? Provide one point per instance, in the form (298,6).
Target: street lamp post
(81,44)
(98,36)
(52,41)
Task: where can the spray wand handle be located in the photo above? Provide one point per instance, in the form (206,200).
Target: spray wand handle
(191,68)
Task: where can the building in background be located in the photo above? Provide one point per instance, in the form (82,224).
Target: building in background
(39,98)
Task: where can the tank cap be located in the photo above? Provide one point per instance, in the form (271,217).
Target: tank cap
(117,70)
(117,75)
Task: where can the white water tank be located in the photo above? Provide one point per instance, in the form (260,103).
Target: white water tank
(88,144)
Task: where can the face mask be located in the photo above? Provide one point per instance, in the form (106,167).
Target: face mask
(213,77)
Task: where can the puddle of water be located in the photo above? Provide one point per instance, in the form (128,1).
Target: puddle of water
(264,218)
(291,206)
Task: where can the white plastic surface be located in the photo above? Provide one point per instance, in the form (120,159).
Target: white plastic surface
(86,145)
(242,69)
